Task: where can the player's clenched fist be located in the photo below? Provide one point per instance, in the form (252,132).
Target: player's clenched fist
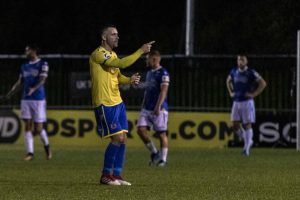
(135,79)
(147,47)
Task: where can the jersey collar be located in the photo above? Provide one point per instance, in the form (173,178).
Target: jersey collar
(36,61)
(153,70)
(243,70)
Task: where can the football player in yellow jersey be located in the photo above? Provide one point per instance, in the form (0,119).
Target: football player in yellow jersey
(109,108)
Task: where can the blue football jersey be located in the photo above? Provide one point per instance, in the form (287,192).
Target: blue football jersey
(30,75)
(154,80)
(243,82)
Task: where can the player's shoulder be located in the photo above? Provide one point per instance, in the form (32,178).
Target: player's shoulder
(43,62)
(254,73)
(233,70)
(102,53)
(164,71)
(251,70)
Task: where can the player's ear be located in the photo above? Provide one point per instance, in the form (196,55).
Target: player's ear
(103,37)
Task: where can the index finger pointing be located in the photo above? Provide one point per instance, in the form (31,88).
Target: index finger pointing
(152,42)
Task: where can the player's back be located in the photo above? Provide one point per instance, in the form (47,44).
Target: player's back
(154,79)
(105,84)
(30,74)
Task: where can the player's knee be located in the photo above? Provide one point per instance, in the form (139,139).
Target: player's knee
(163,136)
(37,131)
(28,125)
(247,126)
(141,130)
(28,128)
(236,126)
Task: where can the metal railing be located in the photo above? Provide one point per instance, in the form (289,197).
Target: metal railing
(197,83)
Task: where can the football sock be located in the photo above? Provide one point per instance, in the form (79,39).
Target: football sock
(28,137)
(164,154)
(249,136)
(151,146)
(44,137)
(119,161)
(109,158)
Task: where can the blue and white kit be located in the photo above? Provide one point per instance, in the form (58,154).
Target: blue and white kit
(154,80)
(33,106)
(244,81)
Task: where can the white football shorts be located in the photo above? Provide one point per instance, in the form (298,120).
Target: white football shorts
(158,123)
(33,109)
(243,111)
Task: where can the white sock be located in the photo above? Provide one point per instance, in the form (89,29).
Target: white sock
(44,137)
(28,140)
(151,146)
(249,136)
(164,154)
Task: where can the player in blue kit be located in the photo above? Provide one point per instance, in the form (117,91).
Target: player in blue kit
(243,85)
(154,111)
(32,77)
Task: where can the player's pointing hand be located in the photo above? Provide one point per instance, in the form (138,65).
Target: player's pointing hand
(147,47)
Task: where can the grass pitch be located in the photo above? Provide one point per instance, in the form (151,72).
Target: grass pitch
(192,173)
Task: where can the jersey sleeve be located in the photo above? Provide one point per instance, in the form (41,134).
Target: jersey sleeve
(165,78)
(256,75)
(44,69)
(231,74)
(103,58)
(123,79)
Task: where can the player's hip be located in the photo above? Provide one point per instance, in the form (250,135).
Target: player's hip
(33,102)
(243,104)
(33,109)
(111,120)
(107,100)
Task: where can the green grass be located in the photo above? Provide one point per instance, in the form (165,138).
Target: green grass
(192,173)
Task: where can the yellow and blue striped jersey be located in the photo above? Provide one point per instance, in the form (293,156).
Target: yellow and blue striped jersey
(106,76)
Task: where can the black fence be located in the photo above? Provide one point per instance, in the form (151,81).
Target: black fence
(197,83)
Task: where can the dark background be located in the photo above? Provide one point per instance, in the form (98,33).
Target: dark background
(222,27)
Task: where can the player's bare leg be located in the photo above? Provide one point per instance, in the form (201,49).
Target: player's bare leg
(164,149)
(28,140)
(248,138)
(38,130)
(142,132)
(240,132)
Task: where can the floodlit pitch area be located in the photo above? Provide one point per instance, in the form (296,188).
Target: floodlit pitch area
(192,173)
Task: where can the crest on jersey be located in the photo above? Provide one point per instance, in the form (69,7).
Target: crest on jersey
(106,56)
(113,126)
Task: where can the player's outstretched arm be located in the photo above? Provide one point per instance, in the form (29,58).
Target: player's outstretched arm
(16,87)
(123,62)
(229,86)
